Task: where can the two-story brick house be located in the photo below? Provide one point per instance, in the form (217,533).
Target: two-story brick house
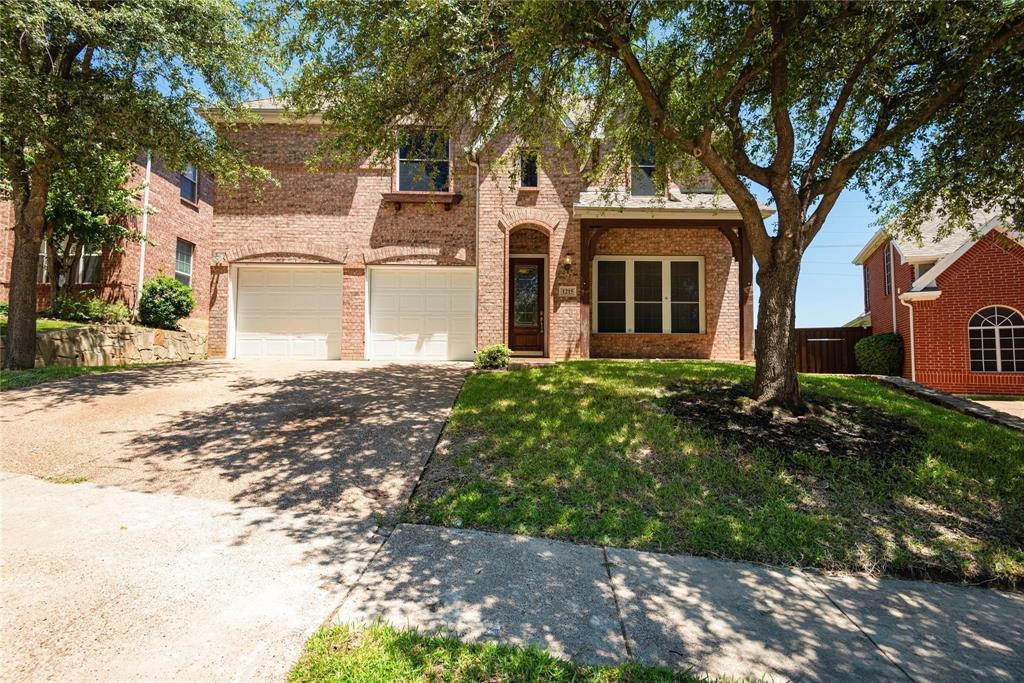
(389,263)
(957,302)
(383,264)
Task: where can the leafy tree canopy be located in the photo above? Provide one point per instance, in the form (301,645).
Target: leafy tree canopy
(89,208)
(124,76)
(118,76)
(915,102)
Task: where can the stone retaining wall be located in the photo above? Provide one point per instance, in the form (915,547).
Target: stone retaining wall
(115,345)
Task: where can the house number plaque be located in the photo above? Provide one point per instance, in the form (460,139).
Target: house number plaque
(566,292)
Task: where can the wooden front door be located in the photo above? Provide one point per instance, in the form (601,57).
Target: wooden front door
(526,304)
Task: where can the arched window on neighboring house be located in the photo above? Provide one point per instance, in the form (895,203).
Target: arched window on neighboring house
(996,337)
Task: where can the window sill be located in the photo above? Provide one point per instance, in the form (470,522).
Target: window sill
(529,190)
(652,334)
(446,199)
(190,204)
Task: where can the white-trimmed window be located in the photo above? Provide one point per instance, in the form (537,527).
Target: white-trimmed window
(996,337)
(648,294)
(87,272)
(42,270)
(88,268)
(922,268)
(641,182)
(189,183)
(528,168)
(424,163)
(183,261)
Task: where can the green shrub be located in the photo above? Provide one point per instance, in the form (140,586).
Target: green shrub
(880,354)
(4,308)
(164,302)
(493,356)
(89,310)
(117,313)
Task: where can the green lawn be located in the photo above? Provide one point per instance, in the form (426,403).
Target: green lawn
(16,379)
(588,451)
(381,654)
(42,324)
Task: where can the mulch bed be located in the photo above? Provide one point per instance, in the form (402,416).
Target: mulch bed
(829,427)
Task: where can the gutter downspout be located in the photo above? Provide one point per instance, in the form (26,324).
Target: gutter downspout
(145,228)
(892,286)
(913,358)
(471,159)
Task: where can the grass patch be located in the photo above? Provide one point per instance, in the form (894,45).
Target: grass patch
(42,324)
(66,479)
(16,379)
(381,653)
(601,452)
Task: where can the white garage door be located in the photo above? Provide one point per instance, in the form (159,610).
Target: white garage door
(422,313)
(288,312)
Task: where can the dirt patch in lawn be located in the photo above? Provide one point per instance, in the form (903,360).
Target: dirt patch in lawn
(829,427)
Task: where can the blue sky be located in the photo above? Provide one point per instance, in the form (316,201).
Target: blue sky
(830,291)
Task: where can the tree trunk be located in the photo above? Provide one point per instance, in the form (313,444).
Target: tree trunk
(30,215)
(775,382)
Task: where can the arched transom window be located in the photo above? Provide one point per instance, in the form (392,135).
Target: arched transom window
(996,334)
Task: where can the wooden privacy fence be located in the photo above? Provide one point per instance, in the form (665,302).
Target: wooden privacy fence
(828,349)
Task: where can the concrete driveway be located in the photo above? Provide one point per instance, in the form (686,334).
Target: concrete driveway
(227,509)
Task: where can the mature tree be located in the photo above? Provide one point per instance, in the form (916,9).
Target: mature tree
(120,75)
(89,208)
(802,99)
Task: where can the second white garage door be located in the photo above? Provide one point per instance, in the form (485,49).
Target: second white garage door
(288,312)
(421,313)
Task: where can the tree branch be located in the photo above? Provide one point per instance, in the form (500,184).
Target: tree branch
(885,134)
(825,142)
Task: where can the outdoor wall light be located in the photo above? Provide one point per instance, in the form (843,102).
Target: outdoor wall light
(567,262)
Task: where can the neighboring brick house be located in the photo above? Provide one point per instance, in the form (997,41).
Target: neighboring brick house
(387,263)
(958,304)
(178,228)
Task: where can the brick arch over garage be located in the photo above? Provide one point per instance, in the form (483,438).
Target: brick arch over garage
(294,249)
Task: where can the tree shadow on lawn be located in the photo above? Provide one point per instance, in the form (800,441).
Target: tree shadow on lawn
(589,452)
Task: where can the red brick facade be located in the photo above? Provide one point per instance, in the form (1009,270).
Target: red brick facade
(172,218)
(335,215)
(990,273)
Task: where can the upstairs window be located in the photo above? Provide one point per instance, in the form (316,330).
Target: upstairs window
(183,262)
(641,183)
(922,268)
(887,269)
(189,183)
(996,337)
(423,163)
(528,169)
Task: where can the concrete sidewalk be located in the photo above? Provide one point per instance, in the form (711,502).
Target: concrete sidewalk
(606,605)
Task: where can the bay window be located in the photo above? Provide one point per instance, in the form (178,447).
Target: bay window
(648,294)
